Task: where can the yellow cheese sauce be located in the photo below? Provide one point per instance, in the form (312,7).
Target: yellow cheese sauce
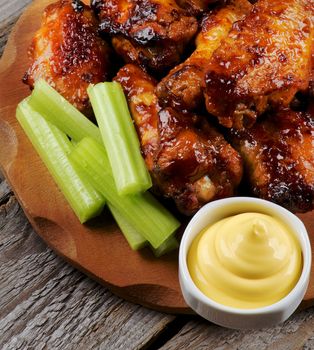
(245,261)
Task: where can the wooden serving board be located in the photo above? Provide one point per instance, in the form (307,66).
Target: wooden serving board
(98,248)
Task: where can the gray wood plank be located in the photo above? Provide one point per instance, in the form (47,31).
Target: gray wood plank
(5,191)
(9,13)
(46,302)
(296,333)
(10,10)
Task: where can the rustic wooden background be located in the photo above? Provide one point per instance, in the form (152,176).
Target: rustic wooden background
(47,304)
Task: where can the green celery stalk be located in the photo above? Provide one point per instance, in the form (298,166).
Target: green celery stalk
(57,110)
(53,147)
(148,217)
(119,137)
(135,239)
(170,244)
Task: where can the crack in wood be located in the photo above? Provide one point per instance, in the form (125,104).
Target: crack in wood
(5,193)
(171,330)
(5,199)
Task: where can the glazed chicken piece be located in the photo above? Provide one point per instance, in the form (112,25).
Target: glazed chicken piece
(139,88)
(68,53)
(190,162)
(279,159)
(181,88)
(263,63)
(311,87)
(197,7)
(150,33)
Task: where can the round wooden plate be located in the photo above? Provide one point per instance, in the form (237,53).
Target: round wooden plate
(98,249)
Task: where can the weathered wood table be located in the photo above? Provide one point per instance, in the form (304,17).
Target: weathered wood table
(47,304)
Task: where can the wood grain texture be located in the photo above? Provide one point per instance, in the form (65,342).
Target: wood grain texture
(295,334)
(9,13)
(46,302)
(136,276)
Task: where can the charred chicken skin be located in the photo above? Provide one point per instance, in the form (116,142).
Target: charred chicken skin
(150,33)
(68,53)
(197,7)
(263,63)
(279,159)
(181,88)
(190,162)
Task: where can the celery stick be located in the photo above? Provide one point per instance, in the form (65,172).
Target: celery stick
(53,146)
(120,138)
(170,244)
(141,210)
(135,240)
(57,110)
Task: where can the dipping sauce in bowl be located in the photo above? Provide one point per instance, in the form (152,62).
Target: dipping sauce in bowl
(246,261)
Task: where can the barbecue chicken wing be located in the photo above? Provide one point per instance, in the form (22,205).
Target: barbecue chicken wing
(279,158)
(67,52)
(188,159)
(150,33)
(181,88)
(264,62)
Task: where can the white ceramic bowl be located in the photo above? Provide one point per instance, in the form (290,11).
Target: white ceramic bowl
(228,316)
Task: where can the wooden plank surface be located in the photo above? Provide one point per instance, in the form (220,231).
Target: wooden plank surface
(45,303)
(296,333)
(9,13)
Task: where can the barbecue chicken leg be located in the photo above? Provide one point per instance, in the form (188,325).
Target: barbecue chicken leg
(68,53)
(190,162)
(263,63)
